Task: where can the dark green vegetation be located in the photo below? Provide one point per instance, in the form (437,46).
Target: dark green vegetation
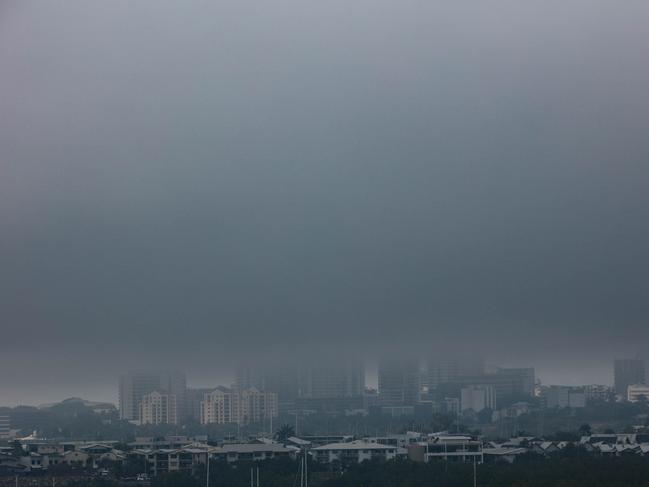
(567,471)
(530,472)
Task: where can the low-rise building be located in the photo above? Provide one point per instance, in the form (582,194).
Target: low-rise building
(236,452)
(453,448)
(170,442)
(597,392)
(564,397)
(397,440)
(353,452)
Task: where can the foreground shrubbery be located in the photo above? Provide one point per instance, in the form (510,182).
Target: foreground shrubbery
(528,471)
(574,470)
(559,472)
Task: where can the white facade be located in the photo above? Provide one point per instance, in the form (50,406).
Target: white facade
(256,406)
(637,392)
(223,406)
(135,385)
(477,398)
(220,406)
(597,392)
(158,408)
(354,452)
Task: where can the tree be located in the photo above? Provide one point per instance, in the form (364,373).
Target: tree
(284,432)
(17,448)
(584,430)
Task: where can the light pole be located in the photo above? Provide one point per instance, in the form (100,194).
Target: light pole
(475,479)
(207,461)
(306,468)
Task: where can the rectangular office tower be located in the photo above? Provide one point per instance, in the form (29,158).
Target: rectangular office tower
(300,378)
(444,369)
(345,378)
(133,386)
(628,371)
(399,383)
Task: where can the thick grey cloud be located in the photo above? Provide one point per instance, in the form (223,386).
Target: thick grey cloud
(193,181)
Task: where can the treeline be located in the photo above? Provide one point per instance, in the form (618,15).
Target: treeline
(557,472)
(530,471)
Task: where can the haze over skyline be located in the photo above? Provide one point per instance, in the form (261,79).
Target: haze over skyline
(184,183)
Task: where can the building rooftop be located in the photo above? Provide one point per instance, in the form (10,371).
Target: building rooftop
(355,445)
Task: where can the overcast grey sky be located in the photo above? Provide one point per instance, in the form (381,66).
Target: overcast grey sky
(188,181)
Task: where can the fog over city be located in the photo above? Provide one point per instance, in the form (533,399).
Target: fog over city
(191,184)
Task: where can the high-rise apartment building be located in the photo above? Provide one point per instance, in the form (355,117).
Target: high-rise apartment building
(224,405)
(256,406)
(135,385)
(220,406)
(158,407)
(628,371)
(4,426)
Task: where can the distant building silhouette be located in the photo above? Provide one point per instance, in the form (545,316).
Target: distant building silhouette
(399,382)
(628,371)
(443,369)
(133,386)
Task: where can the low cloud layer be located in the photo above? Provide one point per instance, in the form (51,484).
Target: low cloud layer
(192,182)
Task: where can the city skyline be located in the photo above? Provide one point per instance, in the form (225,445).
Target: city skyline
(109,392)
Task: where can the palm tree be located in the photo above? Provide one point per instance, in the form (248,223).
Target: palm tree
(284,432)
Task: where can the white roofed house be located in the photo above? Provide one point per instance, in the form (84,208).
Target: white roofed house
(353,452)
(251,452)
